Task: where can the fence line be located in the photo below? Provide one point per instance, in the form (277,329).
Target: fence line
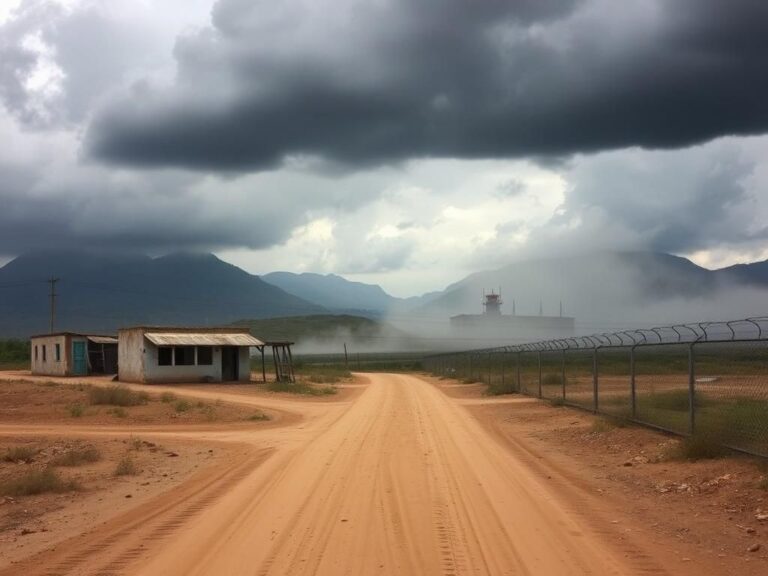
(708,378)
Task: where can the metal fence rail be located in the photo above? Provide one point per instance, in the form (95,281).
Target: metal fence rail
(707,378)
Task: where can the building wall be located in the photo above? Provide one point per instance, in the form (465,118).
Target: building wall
(138,362)
(155,373)
(130,355)
(50,367)
(245,364)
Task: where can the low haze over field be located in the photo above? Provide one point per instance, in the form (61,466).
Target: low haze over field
(406,144)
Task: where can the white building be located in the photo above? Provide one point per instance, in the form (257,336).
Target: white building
(73,354)
(155,355)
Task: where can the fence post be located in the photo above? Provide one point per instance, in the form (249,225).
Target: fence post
(469,366)
(539,373)
(594,380)
(632,388)
(691,391)
(519,382)
(562,376)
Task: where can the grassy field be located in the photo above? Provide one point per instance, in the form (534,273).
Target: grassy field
(14,354)
(731,387)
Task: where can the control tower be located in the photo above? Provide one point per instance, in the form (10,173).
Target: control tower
(492,304)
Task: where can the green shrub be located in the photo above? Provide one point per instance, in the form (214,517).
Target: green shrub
(182,406)
(167,397)
(77,457)
(705,443)
(258,417)
(18,454)
(14,353)
(702,447)
(135,443)
(208,411)
(116,396)
(118,412)
(673,400)
(301,388)
(602,425)
(38,482)
(126,467)
(327,376)
(76,410)
(499,389)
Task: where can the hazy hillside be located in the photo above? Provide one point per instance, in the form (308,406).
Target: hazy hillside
(755,274)
(97,292)
(605,290)
(341,295)
(329,333)
(332,291)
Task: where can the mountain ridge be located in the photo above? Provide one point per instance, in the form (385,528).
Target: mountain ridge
(101,292)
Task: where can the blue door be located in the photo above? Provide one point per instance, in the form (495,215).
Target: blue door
(79,364)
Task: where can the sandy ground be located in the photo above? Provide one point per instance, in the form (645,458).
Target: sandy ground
(396,475)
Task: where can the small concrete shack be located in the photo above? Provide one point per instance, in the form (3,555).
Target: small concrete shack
(156,355)
(73,354)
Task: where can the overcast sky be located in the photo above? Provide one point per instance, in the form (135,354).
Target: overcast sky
(390,141)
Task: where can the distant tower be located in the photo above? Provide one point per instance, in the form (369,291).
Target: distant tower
(492,304)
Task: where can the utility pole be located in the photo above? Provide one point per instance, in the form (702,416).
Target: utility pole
(52,281)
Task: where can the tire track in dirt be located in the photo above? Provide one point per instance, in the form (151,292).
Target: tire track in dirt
(401,481)
(305,538)
(578,495)
(111,549)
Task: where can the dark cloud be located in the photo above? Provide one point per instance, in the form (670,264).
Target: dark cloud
(84,52)
(374,83)
(130,212)
(19,60)
(677,202)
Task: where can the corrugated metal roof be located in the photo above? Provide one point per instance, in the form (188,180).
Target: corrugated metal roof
(102,339)
(202,339)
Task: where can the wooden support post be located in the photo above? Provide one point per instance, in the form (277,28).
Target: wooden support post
(275,358)
(263,365)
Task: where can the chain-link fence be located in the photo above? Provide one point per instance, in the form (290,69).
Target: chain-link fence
(693,379)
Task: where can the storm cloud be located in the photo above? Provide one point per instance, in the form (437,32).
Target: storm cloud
(403,143)
(370,83)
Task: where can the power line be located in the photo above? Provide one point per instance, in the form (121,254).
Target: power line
(53,281)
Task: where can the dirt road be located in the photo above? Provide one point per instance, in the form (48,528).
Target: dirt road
(402,480)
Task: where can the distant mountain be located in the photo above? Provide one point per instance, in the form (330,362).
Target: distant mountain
(603,291)
(755,274)
(594,286)
(341,295)
(332,291)
(99,292)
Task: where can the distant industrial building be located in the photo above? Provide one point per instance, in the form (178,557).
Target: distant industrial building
(73,354)
(156,355)
(493,325)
